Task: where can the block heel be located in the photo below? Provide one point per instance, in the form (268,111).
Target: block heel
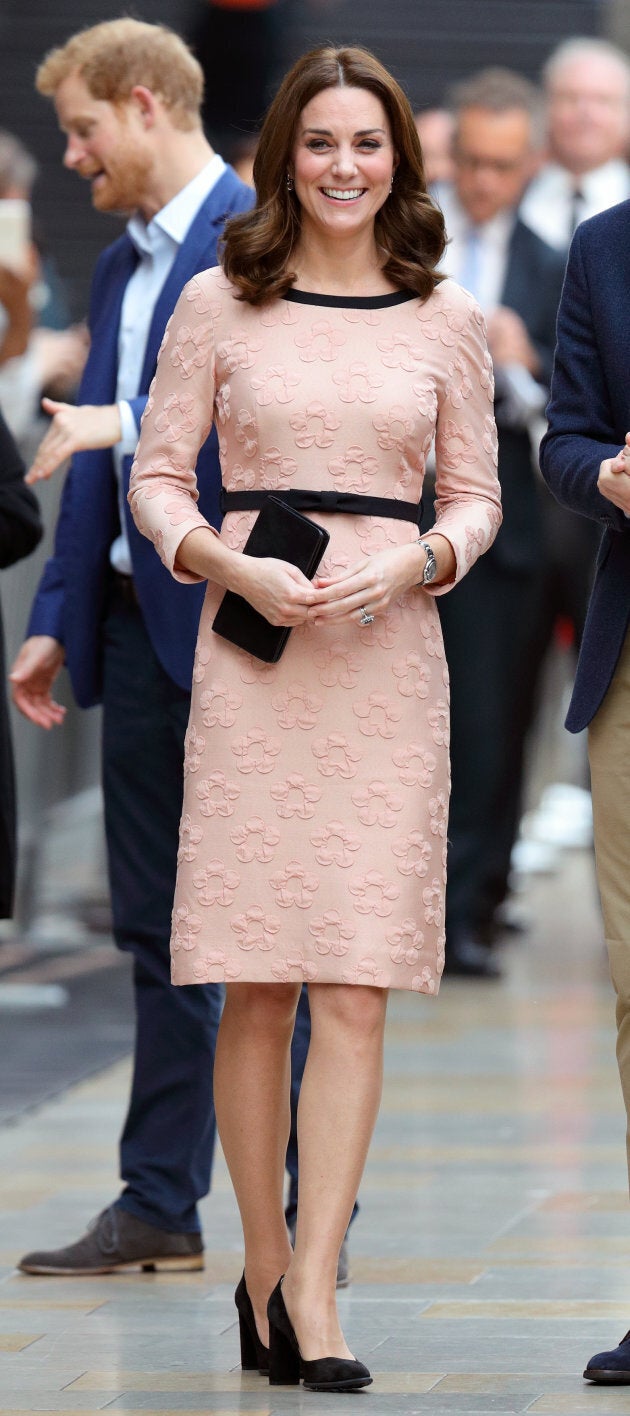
(254,1354)
(284,1360)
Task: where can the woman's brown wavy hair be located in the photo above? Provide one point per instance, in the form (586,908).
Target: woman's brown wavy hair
(409,228)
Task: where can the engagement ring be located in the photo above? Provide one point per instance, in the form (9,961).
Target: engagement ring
(365,618)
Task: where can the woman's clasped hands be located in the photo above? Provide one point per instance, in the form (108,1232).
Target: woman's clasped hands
(281,593)
(372,585)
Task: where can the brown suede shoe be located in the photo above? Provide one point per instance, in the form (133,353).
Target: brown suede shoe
(116,1241)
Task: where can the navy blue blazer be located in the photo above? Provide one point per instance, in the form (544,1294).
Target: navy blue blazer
(70,600)
(589,416)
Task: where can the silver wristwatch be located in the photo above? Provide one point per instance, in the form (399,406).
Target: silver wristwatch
(430,568)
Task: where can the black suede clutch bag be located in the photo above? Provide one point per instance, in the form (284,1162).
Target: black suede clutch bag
(284,533)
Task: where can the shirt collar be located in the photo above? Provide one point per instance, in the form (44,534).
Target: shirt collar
(598,185)
(174,219)
(496,232)
(598,182)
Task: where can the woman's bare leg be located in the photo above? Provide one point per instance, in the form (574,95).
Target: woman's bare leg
(339,1101)
(252,1104)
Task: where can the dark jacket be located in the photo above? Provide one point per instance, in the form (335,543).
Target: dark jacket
(532,288)
(20,531)
(589,416)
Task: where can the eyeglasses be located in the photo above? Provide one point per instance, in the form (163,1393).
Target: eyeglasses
(502,166)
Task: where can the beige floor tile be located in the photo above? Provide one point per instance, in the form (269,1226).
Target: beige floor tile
(599,1401)
(17,1341)
(118,1380)
(419,1270)
(490,1383)
(397,1383)
(593,1203)
(535,1310)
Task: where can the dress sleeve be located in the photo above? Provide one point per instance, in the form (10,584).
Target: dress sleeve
(175,424)
(468,495)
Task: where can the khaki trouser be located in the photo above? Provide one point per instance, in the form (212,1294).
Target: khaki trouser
(609,754)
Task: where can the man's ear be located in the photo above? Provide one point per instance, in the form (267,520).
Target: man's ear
(146,104)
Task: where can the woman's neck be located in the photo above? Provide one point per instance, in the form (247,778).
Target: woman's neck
(334,267)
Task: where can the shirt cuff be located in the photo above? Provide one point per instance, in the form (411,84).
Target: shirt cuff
(129,431)
(531,395)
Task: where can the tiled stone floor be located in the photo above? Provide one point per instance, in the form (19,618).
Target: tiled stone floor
(491,1256)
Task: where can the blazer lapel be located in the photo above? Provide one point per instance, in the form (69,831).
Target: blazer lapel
(517,292)
(191,257)
(98,384)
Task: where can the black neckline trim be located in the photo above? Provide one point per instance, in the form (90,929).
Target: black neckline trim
(344,302)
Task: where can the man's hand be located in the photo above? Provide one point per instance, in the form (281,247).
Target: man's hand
(614,478)
(32,678)
(509,342)
(73,430)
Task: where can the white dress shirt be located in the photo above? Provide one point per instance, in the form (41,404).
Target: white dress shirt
(157,244)
(549,202)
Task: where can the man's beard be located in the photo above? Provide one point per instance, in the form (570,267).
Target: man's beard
(125,184)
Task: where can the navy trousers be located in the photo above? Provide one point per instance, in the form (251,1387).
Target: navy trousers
(167,1142)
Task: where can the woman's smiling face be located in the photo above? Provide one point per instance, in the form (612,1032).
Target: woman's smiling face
(343,161)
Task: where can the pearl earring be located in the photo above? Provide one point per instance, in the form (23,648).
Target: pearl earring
(290,182)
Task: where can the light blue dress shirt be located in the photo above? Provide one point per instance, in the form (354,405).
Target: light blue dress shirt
(157,244)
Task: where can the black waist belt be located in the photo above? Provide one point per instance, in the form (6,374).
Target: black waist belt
(304,500)
(126,588)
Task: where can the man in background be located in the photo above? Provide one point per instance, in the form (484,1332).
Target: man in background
(587,86)
(517,279)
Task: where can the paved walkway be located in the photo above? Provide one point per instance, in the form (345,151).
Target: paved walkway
(491,1255)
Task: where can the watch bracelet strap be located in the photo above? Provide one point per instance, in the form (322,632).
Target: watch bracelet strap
(430,560)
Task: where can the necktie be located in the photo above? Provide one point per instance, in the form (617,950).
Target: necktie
(470,273)
(576,210)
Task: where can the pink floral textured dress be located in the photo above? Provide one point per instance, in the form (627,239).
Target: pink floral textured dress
(313,835)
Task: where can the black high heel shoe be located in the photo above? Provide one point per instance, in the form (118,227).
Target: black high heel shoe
(254,1354)
(286,1364)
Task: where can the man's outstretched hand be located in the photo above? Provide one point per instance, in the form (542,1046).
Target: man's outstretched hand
(73,430)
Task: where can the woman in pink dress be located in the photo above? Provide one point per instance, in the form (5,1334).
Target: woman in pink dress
(329,353)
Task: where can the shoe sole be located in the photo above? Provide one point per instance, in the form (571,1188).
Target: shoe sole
(339,1386)
(607,1376)
(176,1264)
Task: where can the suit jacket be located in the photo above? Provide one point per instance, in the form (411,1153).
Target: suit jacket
(20,531)
(589,416)
(70,601)
(532,287)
